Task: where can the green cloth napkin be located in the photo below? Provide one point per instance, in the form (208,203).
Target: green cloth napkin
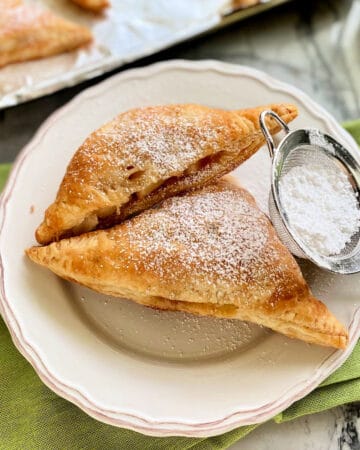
(33,417)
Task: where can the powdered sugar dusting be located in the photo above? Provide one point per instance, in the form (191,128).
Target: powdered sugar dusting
(213,232)
(151,139)
(17,15)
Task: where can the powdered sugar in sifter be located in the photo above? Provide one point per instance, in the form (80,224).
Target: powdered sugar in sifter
(310,147)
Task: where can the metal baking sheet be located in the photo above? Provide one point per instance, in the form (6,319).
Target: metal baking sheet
(127,31)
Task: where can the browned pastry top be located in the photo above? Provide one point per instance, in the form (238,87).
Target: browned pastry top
(146,155)
(211,252)
(93,5)
(27,32)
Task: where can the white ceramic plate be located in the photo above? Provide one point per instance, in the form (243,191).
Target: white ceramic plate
(158,373)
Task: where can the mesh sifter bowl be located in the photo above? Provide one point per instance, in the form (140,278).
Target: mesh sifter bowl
(310,146)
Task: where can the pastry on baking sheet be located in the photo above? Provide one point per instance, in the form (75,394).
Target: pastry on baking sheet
(29,32)
(148,154)
(92,5)
(209,252)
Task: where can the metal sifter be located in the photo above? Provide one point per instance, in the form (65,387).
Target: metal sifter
(310,146)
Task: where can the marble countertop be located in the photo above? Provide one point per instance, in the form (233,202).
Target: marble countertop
(314,45)
(336,429)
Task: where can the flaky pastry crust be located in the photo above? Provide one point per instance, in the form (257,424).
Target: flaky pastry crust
(146,155)
(29,32)
(92,5)
(208,252)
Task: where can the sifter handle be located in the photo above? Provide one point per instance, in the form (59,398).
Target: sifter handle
(266,132)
